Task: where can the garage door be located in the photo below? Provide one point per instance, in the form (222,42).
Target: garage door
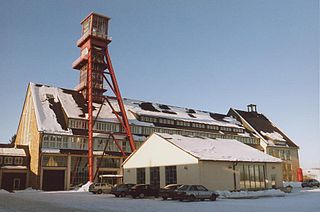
(53,180)
(13,181)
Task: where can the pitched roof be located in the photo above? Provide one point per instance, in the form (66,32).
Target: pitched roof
(266,128)
(217,149)
(12,152)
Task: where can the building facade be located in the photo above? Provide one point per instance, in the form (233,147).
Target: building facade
(218,164)
(273,140)
(53,126)
(14,166)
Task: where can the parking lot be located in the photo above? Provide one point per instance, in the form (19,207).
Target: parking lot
(302,200)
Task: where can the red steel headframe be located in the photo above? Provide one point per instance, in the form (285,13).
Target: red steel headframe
(90,121)
(116,90)
(121,115)
(94,47)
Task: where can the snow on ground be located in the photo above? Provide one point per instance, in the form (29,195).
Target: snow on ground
(292,184)
(3,191)
(250,194)
(304,200)
(85,187)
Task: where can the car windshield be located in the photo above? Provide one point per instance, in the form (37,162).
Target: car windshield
(184,187)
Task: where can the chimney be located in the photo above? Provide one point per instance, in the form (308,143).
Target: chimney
(252,108)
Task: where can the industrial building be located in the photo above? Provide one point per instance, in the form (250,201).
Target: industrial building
(75,135)
(218,164)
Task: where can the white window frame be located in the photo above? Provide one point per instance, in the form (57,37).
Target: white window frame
(18,160)
(8,160)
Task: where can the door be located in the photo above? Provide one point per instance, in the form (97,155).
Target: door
(53,180)
(16,183)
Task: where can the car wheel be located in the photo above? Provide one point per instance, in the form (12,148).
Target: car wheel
(201,199)
(116,195)
(164,198)
(213,197)
(191,198)
(99,191)
(123,194)
(180,200)
(134,196)
(141,195)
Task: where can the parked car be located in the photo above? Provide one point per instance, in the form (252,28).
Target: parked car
(121,190)
(99,188)
(168,191)
(194,192)
(310,183)
(143,190)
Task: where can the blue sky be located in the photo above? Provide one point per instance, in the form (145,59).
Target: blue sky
(209,55)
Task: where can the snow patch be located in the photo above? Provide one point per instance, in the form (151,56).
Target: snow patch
(85,187)
(4,191)
(292,184)
(250,194)
(27,190)
(273,136)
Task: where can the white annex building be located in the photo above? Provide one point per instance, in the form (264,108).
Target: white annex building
(222,164)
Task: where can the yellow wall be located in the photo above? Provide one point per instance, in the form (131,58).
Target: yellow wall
(27,134)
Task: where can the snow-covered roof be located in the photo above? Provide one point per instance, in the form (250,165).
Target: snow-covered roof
(179,113)
(12,152)
(265,128)
(14,167)
(53,105)
(217,149)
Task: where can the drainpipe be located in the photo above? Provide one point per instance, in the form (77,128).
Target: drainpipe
(234,175)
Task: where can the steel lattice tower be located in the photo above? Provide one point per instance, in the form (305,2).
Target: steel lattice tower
(96,68)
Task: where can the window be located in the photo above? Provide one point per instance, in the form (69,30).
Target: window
(109,162)
(171,175)
(155,176)
(201,188)
(287,155)
(0,160)
(8,160)
(141,175)
(252,177)
(166,121)
(54,161)
(18,160)
(226,129)
(45,142)
(212,127)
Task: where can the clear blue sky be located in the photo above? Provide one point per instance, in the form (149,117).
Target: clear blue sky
(209,55)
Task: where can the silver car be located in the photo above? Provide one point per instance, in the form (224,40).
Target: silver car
(195,192)
(99,188)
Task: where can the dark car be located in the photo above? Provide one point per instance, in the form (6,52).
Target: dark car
(168,191)
(195,192)
(121,190)
(310,183)
(143,190)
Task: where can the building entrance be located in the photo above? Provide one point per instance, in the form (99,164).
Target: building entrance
(53,180)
